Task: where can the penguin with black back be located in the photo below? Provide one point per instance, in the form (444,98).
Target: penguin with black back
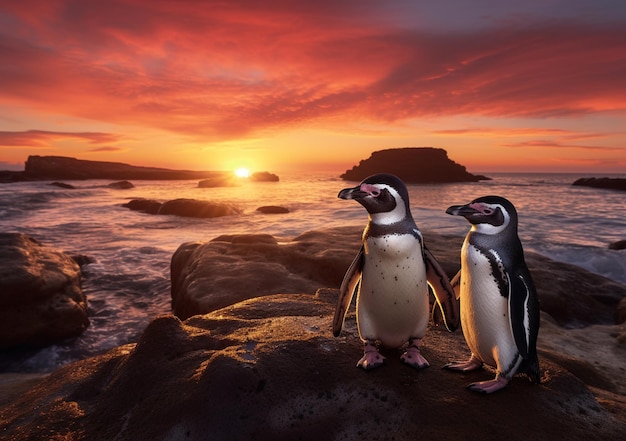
(499,302)
(390,276)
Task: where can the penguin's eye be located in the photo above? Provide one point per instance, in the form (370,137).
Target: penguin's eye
(375,193)
(488,211)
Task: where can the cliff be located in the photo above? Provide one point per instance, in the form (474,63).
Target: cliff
(61,167)
(417,165)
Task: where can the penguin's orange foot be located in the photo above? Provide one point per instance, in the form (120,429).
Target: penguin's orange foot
(413,357)
(465,366)
(371,357)
(489,387)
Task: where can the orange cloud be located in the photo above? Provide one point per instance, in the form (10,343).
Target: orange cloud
(41,138)
(221,72)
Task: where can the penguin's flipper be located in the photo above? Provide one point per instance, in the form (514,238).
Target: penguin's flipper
(521,317)
(444,293)
(347,290)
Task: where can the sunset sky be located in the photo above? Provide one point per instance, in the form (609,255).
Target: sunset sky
(534,85)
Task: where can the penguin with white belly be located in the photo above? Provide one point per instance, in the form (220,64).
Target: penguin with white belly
(390,275)
(499,303)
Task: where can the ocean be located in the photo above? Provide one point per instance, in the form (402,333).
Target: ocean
(128,284)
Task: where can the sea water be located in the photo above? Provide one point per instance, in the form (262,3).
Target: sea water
(129,282)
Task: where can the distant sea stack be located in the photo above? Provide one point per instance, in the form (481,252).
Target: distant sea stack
(65,168)
(416,165)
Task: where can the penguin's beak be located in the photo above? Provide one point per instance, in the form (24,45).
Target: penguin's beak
(461,210)
(352,193)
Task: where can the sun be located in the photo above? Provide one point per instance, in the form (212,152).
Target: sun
(242,172)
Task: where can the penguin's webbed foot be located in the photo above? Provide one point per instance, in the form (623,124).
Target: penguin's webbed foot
(413,357)
(371,357)
(465,366)
(488,387)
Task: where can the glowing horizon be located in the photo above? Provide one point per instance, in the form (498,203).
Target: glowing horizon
(276,86)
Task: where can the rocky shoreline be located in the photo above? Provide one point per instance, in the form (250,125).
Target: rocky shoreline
(254,358)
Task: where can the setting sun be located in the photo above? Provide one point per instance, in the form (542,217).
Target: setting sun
(242,172)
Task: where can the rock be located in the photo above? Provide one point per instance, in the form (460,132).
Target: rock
(263,177)
(183,207)
(269,368)
(621,311)
(609,183)
(41,300)
(573,296)
(121,185)
(414,165)
(149,206)
(211,275)
(619,245)
(62,167)
(220,181)
(272,209)
(62,185)
(196,208)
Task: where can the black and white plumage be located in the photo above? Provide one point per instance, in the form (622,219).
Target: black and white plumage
(390,275)
(499,303)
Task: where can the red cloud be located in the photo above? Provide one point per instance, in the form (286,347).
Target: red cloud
(219,71)
(40,138)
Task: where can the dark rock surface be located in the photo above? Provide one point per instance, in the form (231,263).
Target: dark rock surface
(266,366)
(202,273)
(183,207)
(65,168)
(121,185)
(263,177)
(414,165)
(149,206)
(619,245)
(230,268)
(41,300)
(272,209)
(608,183)
(62,185)
(269,369)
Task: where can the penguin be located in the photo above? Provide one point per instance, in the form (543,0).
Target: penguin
(499,303)
(390,276)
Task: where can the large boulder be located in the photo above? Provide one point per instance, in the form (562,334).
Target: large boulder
(41,300)
(414,165)
(230,268)
(269,369)
(211,275)
(183,207)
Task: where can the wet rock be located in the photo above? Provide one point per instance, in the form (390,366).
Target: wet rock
(41,300)
(619,245)
(272,209)
(573,296)
(149,206)
(183,207)
(121,185)
(608,183)
(62,185)
(269,368)
(211,275)
(196,208)
(263,177)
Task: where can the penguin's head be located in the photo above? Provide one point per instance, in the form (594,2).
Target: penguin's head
(487,214)
(384,196)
